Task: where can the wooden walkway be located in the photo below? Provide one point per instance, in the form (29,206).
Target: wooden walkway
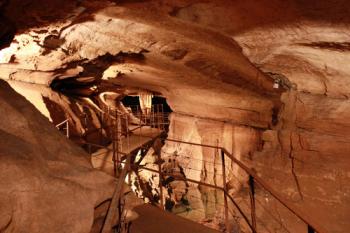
(102,158)
(154,220)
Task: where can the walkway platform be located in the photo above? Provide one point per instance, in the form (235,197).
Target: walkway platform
(102,158)
(154,220)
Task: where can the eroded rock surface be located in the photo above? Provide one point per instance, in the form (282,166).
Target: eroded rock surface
(47,183)
(216,63)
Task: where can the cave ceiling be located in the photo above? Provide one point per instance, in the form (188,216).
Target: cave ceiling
(217,59)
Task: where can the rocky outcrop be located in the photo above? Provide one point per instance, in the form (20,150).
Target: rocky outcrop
(304,47)
(202,163)
(47,183)
(307,156)
(215,67)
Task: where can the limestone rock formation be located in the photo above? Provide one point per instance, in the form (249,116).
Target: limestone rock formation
(47,183)
(217,63)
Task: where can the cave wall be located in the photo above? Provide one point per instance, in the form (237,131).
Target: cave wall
(84,113)
(215,59)
(58,107)
(306,157)
(47,183)
(204,164)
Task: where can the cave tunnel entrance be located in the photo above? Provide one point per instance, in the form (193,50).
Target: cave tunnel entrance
(158,111)
(132,100)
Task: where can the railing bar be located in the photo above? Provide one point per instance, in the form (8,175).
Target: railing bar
(182,179)
(63,122)
(192,143)
(199,198)
(160,180)
(310,229)
(298,212)
(188,157)
(225,188)
(112,214)
(252,200)
(304,217)
(268,212)
(241,212)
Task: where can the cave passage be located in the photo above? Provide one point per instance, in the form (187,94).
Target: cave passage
(131,100)
(241,107)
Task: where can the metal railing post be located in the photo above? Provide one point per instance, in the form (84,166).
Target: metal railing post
(252,201)
(312,225)
(99,132)
(127,132)
(67,133)
(225,189)
(118,139)
(66,124)
(158,118)
(160,181)
(310,229)
(163,117)
(85,121)
(114,154)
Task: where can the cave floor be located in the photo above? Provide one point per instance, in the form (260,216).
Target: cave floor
(151,219)
(102,158)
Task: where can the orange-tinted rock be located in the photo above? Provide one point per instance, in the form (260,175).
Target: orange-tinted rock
(47,183)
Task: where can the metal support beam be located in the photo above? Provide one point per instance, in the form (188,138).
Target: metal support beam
(225,189)
(252,201)
(113,216)
(67,127)
(114,154)
(310,229)
(160,181)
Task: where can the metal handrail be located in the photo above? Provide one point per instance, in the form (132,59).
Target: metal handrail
(313,226)
(178,178)
(65,122)
(298,212)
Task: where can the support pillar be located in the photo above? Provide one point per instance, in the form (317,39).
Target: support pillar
(160,181)
(225,189)
(252,201)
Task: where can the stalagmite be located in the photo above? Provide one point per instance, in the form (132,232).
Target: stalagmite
(145,102)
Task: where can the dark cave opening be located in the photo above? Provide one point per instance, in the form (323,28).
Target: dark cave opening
(156,100)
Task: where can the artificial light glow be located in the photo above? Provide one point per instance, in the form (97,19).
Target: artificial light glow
(6,53)
(23,47)
(111,72)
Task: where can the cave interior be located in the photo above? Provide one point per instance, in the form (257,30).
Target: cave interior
(153,116)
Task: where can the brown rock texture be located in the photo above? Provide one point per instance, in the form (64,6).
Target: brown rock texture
(216,63)
(47,183)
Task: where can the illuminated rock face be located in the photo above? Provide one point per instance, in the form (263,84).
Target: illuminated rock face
(306,156)
(215,67)
(306,46)
(47,183)
(205,164)
(215,61)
